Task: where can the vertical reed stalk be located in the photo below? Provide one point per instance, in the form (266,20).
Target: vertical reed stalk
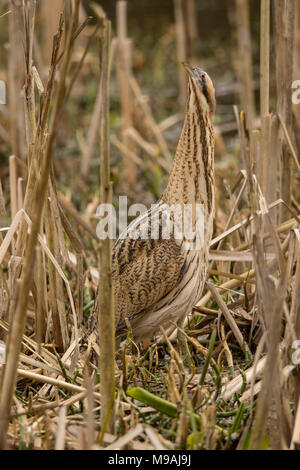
(245,60)
(105,291)
(123,73)
(264,58)
(191,21)
(54,280)
(181,48)
(284,20)
(270,304)
(94,124)
(264,82)
(49,15)
(29,8)
(272,167)
(15,78)
(13,186)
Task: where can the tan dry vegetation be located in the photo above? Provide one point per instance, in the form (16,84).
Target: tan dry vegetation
(231,381)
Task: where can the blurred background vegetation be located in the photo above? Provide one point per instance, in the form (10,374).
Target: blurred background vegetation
(151,26)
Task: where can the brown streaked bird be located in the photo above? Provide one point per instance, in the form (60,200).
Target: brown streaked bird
(156,280)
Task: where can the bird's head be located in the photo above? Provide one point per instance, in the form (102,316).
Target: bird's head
(201,86)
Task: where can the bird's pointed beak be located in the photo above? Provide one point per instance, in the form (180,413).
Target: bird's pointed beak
(188,69)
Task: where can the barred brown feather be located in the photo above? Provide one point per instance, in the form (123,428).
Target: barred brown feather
(156,282)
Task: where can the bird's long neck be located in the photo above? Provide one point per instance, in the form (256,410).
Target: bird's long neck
(192,177)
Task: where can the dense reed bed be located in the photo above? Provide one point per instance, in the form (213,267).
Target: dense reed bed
(79,129)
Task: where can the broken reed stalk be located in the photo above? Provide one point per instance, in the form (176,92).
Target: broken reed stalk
(106,313)
(124,70)
(39,143)
(18,323)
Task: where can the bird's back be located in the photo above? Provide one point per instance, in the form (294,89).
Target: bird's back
(145,269)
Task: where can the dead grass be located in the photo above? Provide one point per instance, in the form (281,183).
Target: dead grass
(237,384)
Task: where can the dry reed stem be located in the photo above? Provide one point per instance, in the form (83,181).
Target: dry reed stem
(229,318)
(277,267)
(49,15)
(284,20)
(16,79)
(235,384)
(235,227)
(52,381)
(245,65)
(59,330)
(70,209)
(40,141)
(4,247)
(264,86)
(9,235)
(13,186)
(181,41)
(272,167)
(154,438)
(106,316)
(2,202)
(136,137)
(40,307)
(264,57)
(271,304)
(92,132)
(124,70)
(61,429)
(17,327)
(20,193)
(29,8)
(291,147)
(127,152)
(82,59)
(122,441)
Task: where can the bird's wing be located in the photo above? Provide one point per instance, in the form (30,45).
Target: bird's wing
(144,271)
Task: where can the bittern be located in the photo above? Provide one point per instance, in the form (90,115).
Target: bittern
(157,280)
